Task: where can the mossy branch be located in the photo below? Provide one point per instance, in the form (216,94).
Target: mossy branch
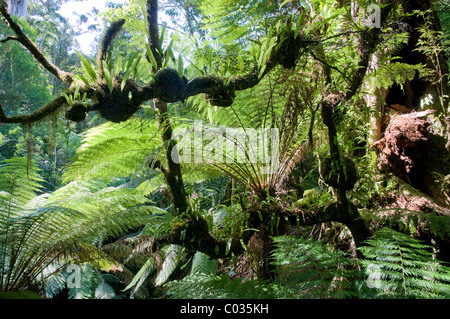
(31,46)
(105,43)
(35,116)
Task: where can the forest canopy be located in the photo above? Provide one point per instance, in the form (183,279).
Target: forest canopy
(225,149)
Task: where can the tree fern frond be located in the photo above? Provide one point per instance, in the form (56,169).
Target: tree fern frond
(89,281)
(142,275)
(104,291)
(55,282)
(203,265)
(18,180)
(64,226)
(310,269)
(400,266)
(172,257)
(218,287)
(115,149)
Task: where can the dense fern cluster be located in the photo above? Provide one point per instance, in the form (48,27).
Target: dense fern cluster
(42,235)
(397,266)
(393,265)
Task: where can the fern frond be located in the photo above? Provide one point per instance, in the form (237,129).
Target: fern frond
(21,182)
(203,265)
(67,226)
(173,255)
(399,266)
(218,287)
(142,275)
(310,269)
(116,149)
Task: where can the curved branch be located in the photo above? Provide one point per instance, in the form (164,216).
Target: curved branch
(151,7)
(105,43)
(34,50)
(35,116)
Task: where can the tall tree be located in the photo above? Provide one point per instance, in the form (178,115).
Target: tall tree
(18,8)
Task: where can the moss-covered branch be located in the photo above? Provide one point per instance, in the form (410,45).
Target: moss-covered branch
(32,47)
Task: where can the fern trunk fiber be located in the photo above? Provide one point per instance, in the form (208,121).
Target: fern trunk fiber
(345,212)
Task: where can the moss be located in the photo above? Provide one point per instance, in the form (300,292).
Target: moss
(223,96)
(332,176)
(76,113)
(169,87)
(120,105)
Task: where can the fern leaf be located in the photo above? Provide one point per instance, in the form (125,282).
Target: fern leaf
(172,257)
(142,275)
(203,265)
(400,266)
(115,150)
(309,269)
(104,291)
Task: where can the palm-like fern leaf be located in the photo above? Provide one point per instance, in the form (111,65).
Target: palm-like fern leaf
(310,269)
(399,266)
(218,287)
(67,226)
(116,149)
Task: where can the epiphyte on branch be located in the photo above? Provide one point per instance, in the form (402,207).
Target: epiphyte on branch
(169,87)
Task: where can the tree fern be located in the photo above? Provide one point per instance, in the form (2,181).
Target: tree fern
(91,286)
(305,268)
(203,265)
(20,183)
(173,255)
(116,150)
(218,287)
(311,269)
(142,276)
(399,266)
(68,226)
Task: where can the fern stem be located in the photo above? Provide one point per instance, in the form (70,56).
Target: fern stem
(403,267)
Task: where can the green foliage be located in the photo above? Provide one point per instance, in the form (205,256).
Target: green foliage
(203,265)
(115,201)
(67,226)
(19,295)
(28,88)
(18,182)
(173,256)
(393,265)
(113,150)
(397,73)
(217,287)
(309,269)
(93,285)
(398,266)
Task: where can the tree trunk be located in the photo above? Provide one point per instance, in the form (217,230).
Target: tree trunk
(375,101)
(18,8)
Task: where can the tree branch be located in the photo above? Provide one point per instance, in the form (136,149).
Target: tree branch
(34,50)
(153,30)
(105,43)
(9,39)
(35,116)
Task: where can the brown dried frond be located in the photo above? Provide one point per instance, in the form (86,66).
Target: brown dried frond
(127,247)
(301,151)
